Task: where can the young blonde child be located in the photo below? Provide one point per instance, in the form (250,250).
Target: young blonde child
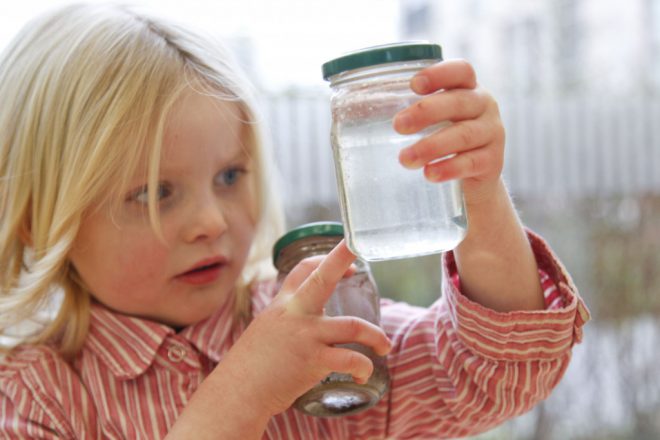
(134,196)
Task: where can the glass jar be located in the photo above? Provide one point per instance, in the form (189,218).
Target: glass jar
(357,295)
(388,211)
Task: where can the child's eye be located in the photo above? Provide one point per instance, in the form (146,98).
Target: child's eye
(142,195)
(229,176)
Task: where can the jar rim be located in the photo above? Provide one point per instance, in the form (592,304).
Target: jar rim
(383,54)
(314,229)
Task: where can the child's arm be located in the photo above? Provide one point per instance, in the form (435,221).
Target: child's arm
(480,356)
(495,261)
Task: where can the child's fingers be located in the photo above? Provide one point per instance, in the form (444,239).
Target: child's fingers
(347,361)
(314,291)
(351,271)
(350,329)
(299,274)
(450,74)
(456,138)
(450,105)
(302,270)
(481,162)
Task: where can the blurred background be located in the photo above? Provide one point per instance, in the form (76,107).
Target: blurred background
(578,83)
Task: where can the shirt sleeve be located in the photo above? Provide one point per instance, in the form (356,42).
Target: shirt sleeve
(35,403)
(14,425)
(458,368)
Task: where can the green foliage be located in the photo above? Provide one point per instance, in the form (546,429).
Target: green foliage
(413,280)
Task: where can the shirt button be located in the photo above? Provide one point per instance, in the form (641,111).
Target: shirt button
(176,353)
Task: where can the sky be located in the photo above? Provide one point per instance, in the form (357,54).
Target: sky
(291,39)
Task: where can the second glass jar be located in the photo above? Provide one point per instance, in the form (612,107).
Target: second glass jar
(357,295)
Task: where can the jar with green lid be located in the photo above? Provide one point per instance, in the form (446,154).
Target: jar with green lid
(357,295)
(388,211)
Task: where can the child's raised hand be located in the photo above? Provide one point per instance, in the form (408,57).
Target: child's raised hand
(476,136)
(289,347)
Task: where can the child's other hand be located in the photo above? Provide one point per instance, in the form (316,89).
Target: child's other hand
(476,136)
(289,347)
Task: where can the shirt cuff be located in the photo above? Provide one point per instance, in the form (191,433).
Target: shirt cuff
(520,335)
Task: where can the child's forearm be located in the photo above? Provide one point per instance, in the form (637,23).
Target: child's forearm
(221,408)
(495,262)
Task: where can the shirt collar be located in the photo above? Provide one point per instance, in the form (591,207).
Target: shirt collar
(128,345)
(216,334)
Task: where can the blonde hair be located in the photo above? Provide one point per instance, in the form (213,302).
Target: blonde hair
(85,91)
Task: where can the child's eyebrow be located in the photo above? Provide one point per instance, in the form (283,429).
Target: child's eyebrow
(241,154)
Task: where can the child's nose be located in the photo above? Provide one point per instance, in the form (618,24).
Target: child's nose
(207,221)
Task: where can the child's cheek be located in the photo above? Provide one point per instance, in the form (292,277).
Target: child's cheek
(143,264)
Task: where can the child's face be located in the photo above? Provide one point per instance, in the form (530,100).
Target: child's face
(207,206)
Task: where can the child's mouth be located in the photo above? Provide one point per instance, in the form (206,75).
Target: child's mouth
(204,274)
(203,268)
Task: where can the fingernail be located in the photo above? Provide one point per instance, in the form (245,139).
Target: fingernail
(420,84)
(408,158)
(388,348)
(432,174)
(402,122)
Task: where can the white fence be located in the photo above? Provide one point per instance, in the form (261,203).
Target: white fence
(584,146)
(300,129)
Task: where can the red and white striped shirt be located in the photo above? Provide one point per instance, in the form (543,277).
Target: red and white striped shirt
(456,369)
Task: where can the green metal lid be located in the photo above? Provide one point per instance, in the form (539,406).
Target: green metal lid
(389,53)
(307,230)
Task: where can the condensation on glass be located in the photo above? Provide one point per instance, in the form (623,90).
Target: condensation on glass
(388,211)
